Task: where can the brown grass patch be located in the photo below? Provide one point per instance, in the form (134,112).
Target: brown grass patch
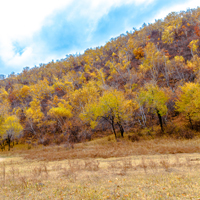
(114,149)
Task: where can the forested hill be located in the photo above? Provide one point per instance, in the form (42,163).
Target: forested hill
(138,80)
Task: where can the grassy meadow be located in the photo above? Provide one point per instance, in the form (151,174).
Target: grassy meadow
(103,169)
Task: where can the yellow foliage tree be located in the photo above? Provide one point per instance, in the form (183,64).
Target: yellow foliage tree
(168,35)
(34,113)
(153,60)
(155,99)
(85,95)
(4,103)
(61,113)
(194,46)
(11,128)
(188,102)
(112,106)
(194,63)
(138,52)
(41,90)
(22,92)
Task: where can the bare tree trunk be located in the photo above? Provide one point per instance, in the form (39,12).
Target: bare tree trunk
(121,129)
(160,120)
(113,127)
(8,141)
(191,122)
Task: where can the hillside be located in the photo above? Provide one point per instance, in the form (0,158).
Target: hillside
(145,82)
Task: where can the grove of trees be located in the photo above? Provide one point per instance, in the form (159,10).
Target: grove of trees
(135,81)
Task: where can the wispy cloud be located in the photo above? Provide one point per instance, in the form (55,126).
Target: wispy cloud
(19,21)
(36,31)
(176,7)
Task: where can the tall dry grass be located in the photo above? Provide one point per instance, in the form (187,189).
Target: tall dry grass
(105,148)
(99,149)
(133,177)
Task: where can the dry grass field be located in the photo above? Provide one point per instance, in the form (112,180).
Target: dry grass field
(103,169)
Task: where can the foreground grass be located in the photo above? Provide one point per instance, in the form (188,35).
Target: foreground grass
(133,177)
(103,169)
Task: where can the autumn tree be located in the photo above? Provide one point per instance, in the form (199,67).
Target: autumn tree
(194,47)
(188,102)
(4,102)
(175,20)
(112,106)
(60,112)
(11,129)
(85,95)
(41,90)
(155,99)
(194,64)
(24,93)
(152,61)
(34,115)
(168,35)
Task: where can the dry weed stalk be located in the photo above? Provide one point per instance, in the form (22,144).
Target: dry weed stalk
(153,165)
(115,166)
(178,164)
(122,172)
(24,181)
(127,164)
(92,165)
(4,174)
(74,165)
(188,164)
(143,164)
(12,171)
(165,164)
(40,171)
(57,167)
(68,173)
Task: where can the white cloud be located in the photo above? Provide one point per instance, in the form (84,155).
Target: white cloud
(95,9)
(177,8)
(21,19)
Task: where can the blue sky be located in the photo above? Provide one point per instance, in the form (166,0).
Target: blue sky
(39,31)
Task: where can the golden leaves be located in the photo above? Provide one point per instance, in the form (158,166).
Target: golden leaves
(11,126)
(154,97)
(194,46)
(188,101)
(34,112)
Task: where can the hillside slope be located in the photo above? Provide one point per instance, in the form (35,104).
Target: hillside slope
(138,80)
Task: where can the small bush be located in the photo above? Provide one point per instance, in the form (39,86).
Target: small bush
(171,128)
(134,138)
(58,141)
(109,138)
(46,141)
(185,134)
(180,132)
